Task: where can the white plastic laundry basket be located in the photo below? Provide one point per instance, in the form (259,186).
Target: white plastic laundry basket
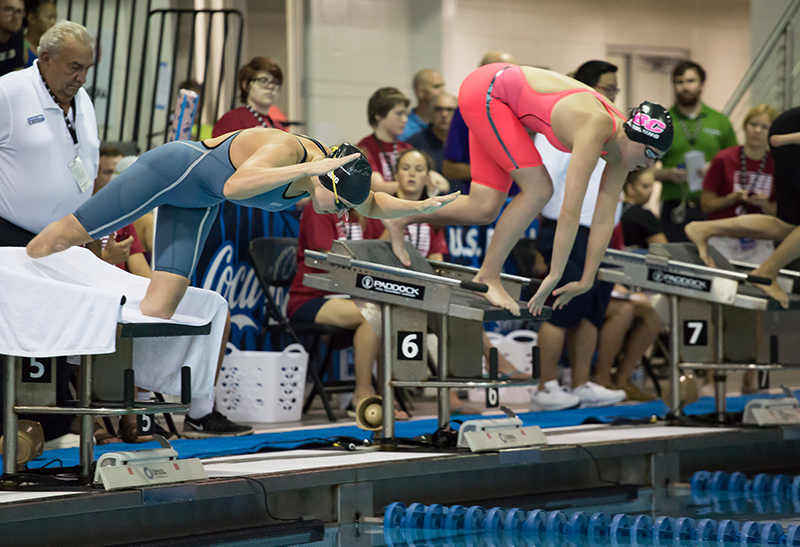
(517,347)
(262,386)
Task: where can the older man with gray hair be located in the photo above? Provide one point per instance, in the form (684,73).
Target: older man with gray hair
(427,83)
(49,148)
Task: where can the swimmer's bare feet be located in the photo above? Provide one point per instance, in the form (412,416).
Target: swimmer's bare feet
(397,228)
(697,234)
(58,236)
(497,294)
(773,290)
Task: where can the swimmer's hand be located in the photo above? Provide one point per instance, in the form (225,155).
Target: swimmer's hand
(568,292)
(536,304)
(435,203)
(323,165)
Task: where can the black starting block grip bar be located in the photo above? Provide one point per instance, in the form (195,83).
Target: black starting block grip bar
(759,280)
(347,262)
(186,385)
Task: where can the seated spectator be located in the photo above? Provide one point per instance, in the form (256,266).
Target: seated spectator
(260,80)
(432,139)
(123,248)
(640,226)
(12,49)
(308,305)
(40,15)
(740,182)
(427,84)
(387,113)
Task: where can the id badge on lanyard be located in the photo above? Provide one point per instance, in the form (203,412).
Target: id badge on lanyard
(79,173)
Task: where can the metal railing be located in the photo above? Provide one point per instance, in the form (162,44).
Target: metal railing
(772,76)
(143,54)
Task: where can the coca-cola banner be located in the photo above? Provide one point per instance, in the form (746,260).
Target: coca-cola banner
(225,267)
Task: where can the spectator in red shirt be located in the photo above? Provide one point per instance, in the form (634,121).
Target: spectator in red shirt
(308,305)
(740,182)
(387,112)
(260,80)
(123,248)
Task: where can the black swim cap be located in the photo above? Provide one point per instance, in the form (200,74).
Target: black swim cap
(650,124)
(350,181)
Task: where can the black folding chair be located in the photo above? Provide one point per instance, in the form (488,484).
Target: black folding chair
(275,263)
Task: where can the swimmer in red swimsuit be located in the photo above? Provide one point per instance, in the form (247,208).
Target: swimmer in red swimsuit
(501,104)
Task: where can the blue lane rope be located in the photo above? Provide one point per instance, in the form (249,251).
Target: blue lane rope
(437,520)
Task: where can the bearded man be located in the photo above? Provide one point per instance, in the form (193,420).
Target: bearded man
(700,132)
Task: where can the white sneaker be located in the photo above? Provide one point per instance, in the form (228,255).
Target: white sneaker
(592,395)
(554,397)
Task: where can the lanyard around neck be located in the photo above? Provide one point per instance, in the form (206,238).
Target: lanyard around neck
(70,126)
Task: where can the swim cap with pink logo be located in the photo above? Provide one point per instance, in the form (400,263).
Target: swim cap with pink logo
(650,124)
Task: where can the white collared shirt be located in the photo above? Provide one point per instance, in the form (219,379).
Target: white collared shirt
(36,184)
(556,163)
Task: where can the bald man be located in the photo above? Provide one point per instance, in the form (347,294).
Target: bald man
(427,84)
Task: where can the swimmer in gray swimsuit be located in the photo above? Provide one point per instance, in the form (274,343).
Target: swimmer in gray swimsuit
(187,181)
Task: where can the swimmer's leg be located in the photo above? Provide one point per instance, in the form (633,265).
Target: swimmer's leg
(536,190)
(58,236)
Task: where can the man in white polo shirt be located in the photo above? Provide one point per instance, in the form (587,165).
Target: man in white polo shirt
(49,148)
(49,152)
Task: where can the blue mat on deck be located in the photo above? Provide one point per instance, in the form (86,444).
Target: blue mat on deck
(285,440)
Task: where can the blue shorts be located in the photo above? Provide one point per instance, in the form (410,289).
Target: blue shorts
(592,304)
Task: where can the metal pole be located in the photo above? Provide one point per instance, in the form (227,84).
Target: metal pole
(674,357)
(758,62)
(444,372)
(9,416)
(87,421)
(788,66)
(388,390)
(720,402)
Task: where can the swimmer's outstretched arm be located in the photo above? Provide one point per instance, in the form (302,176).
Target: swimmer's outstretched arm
(382,205)
(273,166)
(788,138)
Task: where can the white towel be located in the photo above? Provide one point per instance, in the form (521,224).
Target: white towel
(69,303)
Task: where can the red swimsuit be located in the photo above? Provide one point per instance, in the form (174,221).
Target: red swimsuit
(499,107)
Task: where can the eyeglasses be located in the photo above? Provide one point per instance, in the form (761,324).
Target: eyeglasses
(267,83)
(652,154)
(610,89)
(10,11)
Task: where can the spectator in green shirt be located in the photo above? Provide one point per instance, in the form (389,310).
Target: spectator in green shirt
(697,128)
